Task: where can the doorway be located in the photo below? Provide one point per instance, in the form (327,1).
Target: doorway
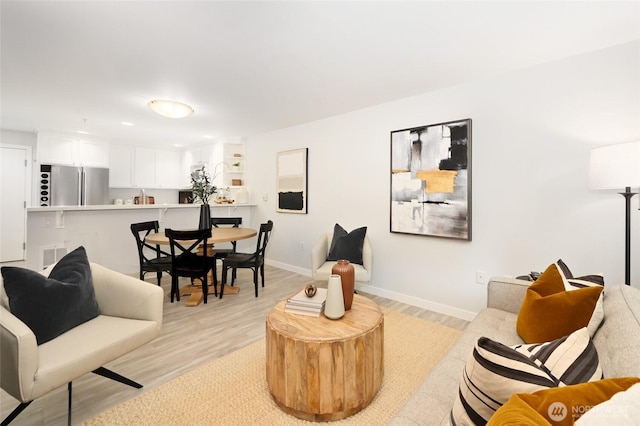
(14,193)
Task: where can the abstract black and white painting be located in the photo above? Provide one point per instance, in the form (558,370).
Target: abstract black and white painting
(291,184)
(431,180)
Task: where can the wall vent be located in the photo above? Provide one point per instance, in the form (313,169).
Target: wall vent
(51,254)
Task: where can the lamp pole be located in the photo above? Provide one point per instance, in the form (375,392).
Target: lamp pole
(627,194)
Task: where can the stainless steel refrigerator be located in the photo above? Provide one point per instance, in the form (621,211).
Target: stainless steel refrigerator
(73,186)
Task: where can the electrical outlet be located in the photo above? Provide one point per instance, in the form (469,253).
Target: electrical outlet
(481,277)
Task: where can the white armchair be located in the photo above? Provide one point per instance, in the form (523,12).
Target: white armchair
(130,316)
(321,267)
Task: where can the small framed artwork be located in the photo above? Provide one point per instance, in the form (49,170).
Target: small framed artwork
(291,184)
(431,180)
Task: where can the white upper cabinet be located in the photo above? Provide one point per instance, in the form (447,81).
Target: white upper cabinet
(144,168)
(168,170)
(121,166)
(72,150)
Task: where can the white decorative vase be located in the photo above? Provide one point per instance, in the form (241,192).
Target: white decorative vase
(334,306)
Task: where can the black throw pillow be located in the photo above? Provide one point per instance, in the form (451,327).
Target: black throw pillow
(54,305)
(347,246)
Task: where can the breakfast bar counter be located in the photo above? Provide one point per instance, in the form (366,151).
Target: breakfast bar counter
(105,231)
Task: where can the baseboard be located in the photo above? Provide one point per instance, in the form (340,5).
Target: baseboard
(420,303)
(290,268)
(391,295)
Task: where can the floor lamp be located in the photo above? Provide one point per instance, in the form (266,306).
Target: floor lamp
(617,167)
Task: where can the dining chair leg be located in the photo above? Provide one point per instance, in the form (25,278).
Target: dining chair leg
(224,280)
(205,290)
(255,280)
(262,273)
(159,275)
(214,272)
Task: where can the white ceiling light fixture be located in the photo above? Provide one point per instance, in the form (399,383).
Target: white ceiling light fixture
(170,109)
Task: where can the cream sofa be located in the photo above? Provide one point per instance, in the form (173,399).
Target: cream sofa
(617,342)
(130,316)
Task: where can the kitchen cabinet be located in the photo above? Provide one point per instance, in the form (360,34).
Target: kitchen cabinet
(72,150)
(146,168)
(196,156)
(168,170)
(121,166)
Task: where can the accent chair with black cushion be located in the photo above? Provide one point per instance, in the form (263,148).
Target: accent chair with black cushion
(57,328)
(190,257)
(353,246)
(254,261)
(152,259)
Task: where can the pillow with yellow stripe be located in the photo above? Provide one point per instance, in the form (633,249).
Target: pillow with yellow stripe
(557,304)
(495,371)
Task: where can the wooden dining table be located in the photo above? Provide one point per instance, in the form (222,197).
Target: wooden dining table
(218,235)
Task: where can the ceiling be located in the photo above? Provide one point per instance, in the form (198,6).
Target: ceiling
(251,67)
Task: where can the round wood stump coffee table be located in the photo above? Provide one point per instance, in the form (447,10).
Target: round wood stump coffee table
(320,369)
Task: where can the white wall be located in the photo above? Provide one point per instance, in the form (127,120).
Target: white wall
(532,133)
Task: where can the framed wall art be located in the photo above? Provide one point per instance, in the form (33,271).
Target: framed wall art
(431,180)
(291,181)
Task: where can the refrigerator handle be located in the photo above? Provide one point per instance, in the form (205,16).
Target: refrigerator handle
(81,187)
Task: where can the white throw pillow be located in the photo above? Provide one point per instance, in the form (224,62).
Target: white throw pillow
(623,409)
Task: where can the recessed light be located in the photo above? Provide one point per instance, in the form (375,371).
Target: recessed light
(177,145)
(82,132)
(207,136)
(126,123)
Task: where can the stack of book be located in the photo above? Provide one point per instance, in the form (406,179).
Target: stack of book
(302,304)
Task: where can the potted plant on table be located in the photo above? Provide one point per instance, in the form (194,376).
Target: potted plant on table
(203,189)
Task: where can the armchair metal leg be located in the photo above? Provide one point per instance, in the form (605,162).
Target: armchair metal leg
(105,372)
(69,399)
(19,409)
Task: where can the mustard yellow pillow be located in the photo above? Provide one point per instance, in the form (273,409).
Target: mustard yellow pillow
(553,308)
(558,406)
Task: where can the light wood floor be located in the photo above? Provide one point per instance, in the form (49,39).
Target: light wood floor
(190,337)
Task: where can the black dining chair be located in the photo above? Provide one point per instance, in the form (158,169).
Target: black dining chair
(152,258)
(190,258)
(232,222)
(254,261)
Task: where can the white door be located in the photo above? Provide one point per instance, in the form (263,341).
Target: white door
(13,201)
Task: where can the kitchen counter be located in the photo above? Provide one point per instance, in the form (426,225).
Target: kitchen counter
(128,207)
(105,230)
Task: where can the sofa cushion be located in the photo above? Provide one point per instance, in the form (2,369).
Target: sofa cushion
(557,304)
(52,305)
(560,406)
(495,371)
(347,245)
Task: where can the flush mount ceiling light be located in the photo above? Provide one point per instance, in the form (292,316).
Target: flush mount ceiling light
(170,109)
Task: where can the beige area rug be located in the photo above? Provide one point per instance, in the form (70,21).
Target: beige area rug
(232,390)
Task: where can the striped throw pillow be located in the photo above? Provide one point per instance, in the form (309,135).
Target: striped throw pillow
(574,283)
(495,371)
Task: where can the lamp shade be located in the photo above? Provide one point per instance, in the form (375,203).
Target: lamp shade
(170,109)
(615,166)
